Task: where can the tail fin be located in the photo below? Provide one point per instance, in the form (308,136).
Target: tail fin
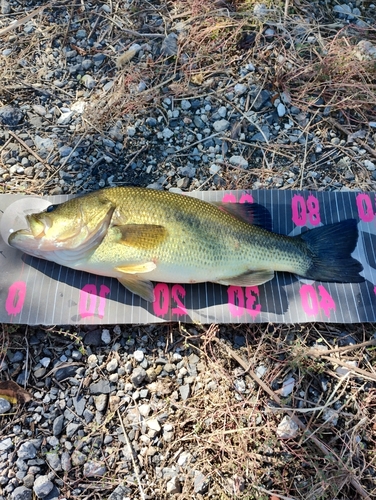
(330,249)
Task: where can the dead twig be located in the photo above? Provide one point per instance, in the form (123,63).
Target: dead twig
(23,143)
(24,20)
(131,451)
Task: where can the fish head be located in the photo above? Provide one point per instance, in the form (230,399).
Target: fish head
(77,226)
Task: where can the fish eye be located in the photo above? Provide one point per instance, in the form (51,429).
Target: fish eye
(51,208)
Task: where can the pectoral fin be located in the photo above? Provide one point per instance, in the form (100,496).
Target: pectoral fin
(251,278)
(145,236)
(143,288)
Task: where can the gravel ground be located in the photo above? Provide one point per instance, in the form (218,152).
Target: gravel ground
(181,96)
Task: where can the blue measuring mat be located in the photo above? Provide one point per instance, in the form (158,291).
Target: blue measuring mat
(35,291)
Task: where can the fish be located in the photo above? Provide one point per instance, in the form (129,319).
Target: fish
(140,235)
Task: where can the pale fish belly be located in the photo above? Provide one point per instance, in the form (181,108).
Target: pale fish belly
(168,273)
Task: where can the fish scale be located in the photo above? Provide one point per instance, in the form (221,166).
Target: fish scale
(140,235)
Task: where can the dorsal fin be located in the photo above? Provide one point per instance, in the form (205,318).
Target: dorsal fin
(252,213)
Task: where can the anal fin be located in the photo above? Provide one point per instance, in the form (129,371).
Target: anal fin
(250,278)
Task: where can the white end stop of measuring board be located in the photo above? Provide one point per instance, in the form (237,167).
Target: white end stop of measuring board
(14,217)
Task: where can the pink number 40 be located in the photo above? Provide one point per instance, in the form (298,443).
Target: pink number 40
(313,302)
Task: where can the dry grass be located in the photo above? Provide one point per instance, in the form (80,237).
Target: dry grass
(233,432)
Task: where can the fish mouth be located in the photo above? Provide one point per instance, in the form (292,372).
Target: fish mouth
(38,227)
(36,230)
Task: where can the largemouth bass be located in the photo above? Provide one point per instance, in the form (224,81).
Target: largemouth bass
(139,235)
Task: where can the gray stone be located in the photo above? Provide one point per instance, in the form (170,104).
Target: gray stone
(369,165)
(86,64)
(173,487)
(185,391)
(187,171)
(116,133)
(343,9)
(28,480)
(93,469)
(99,58)
(138,356)
(100,387)
(287,387)
(6,444)
(79,403)
(221,125)
(153,424)
(185,104)
(198,122)
(214,169)
(112,365)
(240,88)
(5,7)
(281,109)
(287,429)
(21,493)
(101,402)
(106,336)
(138,376)
(72,428)
(88,416)
(29,172)
(170,45)
(65,118)
(53,460)
(144,410)
(40,110)
(57,425)
(88,81)
(10,116)
(260,99)
(238,161)
(26,451)
(120,492)
(43,143)
(54,494)
(65,151)
(66,464)
(167,133)
(108,143)
(78,458)
(42,486)
(169,368)
(151,122)
(131,131)
(39,372)
(80,34)
(201,483)
(5,406)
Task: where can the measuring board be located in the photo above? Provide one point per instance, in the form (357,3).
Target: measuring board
(35,291)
